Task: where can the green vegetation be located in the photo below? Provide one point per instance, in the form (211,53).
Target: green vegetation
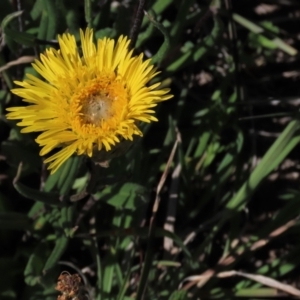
(206,205)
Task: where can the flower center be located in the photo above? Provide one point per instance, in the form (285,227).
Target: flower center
(96,108)
(102,105)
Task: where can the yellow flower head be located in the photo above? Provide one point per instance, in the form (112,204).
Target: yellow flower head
(89,102)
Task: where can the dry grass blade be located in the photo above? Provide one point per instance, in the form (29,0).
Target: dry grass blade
(273,234)
(171,211)
(267,281)
(202,279)
(148,257)
(165,173)
(20,60)
(263,280)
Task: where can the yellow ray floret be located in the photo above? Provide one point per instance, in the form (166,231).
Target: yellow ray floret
(88,102)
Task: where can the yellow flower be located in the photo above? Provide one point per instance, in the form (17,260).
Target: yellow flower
(90,102)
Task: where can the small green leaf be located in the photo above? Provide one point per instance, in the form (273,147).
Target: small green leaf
(61,244)
(47,198)
(9,18)
(165,47)
(108,273)
(49,21)
(105,32)
(34,267)
(65,220)
(272,42)
(179,295)
(127,195)
(20,37)
(88,13)
(284,144)
(64,177)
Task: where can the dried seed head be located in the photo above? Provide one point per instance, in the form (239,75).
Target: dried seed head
(69,285)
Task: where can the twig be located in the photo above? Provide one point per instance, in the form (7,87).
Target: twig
(137,23)
(151,233)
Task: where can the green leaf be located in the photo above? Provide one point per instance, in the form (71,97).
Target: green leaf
(128,195)
(257,293)
(65,220)
(34,267)
(284,144)
(198,51)
(165,47)
(22,38)
(64,177)
(88,13)
(47,198)
(179,295)
(105,32)
(158,7)
(61,244)
(272,42)
(108,273)
(49,21)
